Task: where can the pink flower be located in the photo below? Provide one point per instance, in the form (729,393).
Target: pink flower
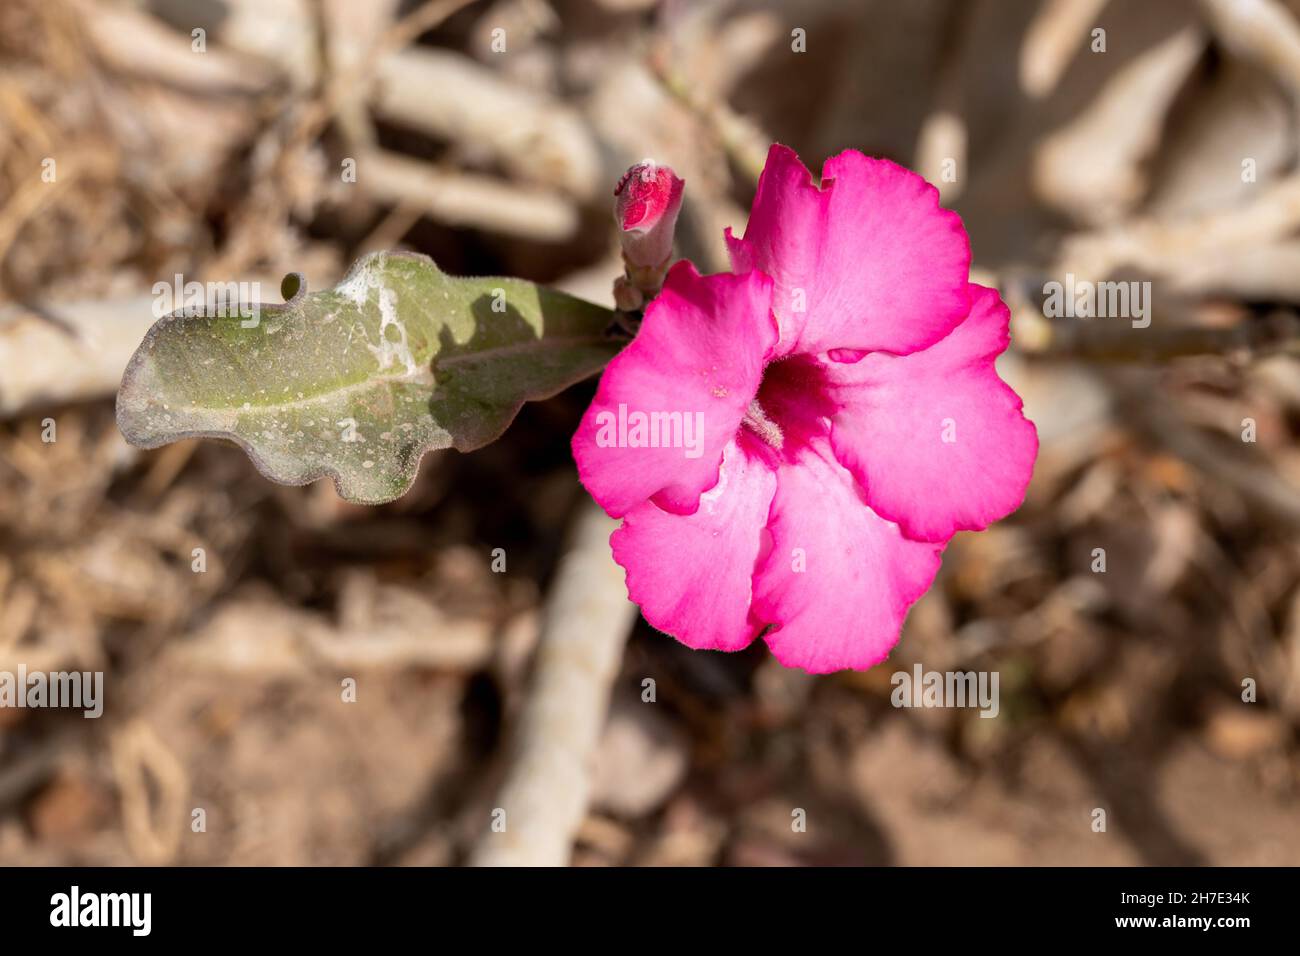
(648,198)
(791,447)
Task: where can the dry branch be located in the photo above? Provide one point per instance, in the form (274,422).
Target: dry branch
(1092,168)
(1260,30)
(587,620)
(465,199)
(68,353)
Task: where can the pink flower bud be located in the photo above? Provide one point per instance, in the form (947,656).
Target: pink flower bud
(648,199)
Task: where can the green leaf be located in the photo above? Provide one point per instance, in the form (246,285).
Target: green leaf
(359,381)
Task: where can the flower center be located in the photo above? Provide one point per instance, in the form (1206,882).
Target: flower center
(792,405)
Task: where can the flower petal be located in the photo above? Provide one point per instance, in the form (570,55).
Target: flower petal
(691,573)
(648,198)
(867,262)
(686,379)
(937,440)
(859,575)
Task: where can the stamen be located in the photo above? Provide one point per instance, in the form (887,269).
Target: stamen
(756,420)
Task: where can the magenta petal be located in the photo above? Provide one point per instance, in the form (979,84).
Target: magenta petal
(691,573)
(699,356)
(868,262)
(937,440)
(859,575)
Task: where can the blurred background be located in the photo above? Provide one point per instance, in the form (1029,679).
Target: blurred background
(212,138)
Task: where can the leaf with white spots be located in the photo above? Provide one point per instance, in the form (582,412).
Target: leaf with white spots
(359,381)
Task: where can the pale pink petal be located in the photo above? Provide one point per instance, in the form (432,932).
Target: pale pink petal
(868,262)
(691,573)
(699,355)
(937,440)
(859,575)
